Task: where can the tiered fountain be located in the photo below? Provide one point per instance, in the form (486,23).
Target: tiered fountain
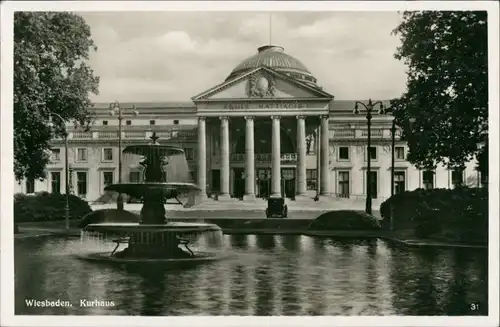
(153,239)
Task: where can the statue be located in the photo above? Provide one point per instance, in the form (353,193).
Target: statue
(271,90)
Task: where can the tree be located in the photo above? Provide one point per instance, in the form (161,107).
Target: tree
(50,76)
(447,86)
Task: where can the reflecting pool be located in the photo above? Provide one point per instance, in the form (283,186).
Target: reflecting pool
(265,275)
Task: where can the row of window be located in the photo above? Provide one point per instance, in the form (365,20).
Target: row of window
(81,187)
(129,122)
(343,188)
(107,154)
(344,153)
(428,177)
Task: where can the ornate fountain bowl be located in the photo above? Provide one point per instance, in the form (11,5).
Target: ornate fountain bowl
(138,190)
(155,149)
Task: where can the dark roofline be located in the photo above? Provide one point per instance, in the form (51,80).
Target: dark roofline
(189,106)
(148,105)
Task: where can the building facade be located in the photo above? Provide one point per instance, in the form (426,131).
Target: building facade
(268,130)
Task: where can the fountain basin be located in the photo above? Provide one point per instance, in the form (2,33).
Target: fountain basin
(177,227)
(161,243)
(200,258)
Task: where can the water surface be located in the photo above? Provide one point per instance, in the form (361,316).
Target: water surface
(266,275)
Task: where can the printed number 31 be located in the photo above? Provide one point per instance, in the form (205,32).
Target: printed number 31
(474,306)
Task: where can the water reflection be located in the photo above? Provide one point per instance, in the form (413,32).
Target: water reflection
(266,275)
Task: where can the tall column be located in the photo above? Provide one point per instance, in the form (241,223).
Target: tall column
(249,160)
(276,158)
(224,159)
(301,153)
(317,145)
(202,156)
(325,176)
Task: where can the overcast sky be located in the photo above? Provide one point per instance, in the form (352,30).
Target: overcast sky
(172,56)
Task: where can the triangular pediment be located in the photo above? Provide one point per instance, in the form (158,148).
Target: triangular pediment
(262,83)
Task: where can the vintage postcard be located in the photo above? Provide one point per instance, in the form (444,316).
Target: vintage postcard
(250,163)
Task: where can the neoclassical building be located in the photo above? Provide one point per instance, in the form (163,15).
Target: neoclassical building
(269,129)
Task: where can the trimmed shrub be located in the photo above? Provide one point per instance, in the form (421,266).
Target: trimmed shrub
(345,220)
(46,206)
(460,214)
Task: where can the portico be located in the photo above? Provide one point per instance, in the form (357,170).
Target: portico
(256,143)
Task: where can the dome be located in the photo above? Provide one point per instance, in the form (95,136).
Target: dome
(274,57)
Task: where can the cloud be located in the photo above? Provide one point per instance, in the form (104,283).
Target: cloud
(172,56)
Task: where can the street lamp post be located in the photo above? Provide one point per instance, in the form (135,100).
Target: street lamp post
(66,169)
(384,110)
(411,121)
(369,109)
(115,107)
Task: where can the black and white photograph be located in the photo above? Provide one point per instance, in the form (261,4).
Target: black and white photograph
(223,163)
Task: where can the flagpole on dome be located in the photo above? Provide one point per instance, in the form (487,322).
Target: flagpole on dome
(270,28)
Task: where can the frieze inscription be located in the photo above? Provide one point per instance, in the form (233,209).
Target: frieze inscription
(266,105)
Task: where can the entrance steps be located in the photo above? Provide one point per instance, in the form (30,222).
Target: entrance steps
(324,203)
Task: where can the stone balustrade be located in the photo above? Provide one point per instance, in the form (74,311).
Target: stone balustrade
(373,132)
(264,157)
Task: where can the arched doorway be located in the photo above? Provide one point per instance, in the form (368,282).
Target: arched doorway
(239,183)
(263,182)
(288,182)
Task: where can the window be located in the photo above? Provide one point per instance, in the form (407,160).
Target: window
(128,122)
(457,177)
(55,155)
(107,154)
(399,182)
(30,185)
(373,153)
(343,153)
(81,154)
(311,178)
(193,175)
(134,177)
(176,122)
(105,122)
(55,182)
(399,153)
(152,122)
(343,184)
(107,177)
(189,152)
(428,179)
(81,183)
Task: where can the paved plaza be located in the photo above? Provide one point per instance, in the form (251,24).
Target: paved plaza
(233,209)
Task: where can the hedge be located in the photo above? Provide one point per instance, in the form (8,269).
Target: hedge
(345,220)
(46,206)
(460,214)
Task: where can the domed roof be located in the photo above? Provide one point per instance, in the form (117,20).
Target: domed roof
(272,56)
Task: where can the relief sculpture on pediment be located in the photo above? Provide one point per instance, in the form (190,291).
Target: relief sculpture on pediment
(261,85)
